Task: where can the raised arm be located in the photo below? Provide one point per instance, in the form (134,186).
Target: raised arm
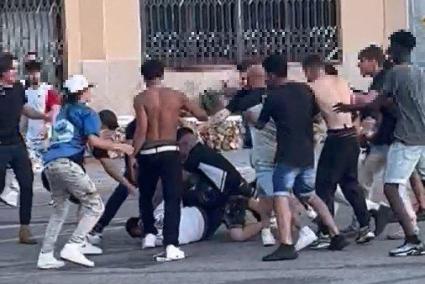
(194,109)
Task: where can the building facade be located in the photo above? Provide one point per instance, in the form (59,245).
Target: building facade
(200,40)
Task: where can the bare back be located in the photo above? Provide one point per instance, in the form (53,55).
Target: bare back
(158,111)
(330,90)
(162,107)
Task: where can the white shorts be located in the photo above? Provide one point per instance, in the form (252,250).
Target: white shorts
(401,162)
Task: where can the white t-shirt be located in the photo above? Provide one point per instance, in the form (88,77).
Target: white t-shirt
(192,224)
(37,100)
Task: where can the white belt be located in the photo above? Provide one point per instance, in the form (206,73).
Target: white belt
(159,149)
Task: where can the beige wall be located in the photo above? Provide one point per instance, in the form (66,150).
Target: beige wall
(365,22)
(103,42)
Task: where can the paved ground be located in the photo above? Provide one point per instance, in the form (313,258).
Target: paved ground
(216,261)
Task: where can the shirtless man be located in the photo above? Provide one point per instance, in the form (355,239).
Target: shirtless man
(157,114)
(338,162)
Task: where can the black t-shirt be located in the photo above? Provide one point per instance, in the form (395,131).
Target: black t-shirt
(245,99)
(292,107)
(385,133)
(12,101)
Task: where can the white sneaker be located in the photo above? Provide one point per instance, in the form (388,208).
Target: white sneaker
(149,241)
(10,196)
(95,238)
(273,223)
(267,237)
(72,252)
(48,261)
(89,249)
(171,253)
(311,214)
(306,238)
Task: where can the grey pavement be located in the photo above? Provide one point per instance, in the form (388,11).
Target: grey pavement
(215,261)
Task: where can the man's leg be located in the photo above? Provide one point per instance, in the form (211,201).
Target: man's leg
(172,182)
(114,203)
(5,157)
(46,259)
(283,180)
(147,181)
(22,168)
(350,186)
(264,177)
(402,160)
(419,191)
(92,206)
(304,190)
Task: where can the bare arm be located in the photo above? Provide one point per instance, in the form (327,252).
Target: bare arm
(115,173)
(375,105)
(141,124)
(194,109)
(31,113)
(97,142)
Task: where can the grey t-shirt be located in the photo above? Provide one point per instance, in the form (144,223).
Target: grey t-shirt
(264,141)
(406,85)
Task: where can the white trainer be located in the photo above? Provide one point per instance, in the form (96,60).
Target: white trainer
(149,241)
(306,238)
(171,253)
(48,261)
(89,249)
(267,237)
(72,253)
(95,238)
(10,195)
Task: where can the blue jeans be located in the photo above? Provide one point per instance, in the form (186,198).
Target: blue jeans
(299,180)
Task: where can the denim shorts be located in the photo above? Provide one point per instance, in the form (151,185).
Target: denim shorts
(402,160)
(264,175)
(298,180)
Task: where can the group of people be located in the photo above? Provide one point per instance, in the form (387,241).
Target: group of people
(187,190)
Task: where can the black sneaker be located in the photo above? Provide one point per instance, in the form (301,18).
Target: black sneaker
(338,242)
(382,217)
(322,242)
(408,249)
(365,235)
(283,252)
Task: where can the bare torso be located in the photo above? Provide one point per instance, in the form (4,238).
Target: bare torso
(162,107)
(330,90)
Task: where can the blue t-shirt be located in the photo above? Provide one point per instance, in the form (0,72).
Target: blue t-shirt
(73,125)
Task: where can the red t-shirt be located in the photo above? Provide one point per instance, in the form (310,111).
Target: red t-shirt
(52,99)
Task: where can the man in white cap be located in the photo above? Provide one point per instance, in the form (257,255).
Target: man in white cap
(76,126)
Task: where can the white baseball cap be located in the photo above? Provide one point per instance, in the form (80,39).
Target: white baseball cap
(77,83)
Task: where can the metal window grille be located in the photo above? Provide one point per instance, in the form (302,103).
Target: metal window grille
(34,26)
(189,32)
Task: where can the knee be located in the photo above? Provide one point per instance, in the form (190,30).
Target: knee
(95,205)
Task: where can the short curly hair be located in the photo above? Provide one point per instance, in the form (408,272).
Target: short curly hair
(404,39)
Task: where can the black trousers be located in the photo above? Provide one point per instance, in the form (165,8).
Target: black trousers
(114,203)
(17,157)
(338,165)
(167,167)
